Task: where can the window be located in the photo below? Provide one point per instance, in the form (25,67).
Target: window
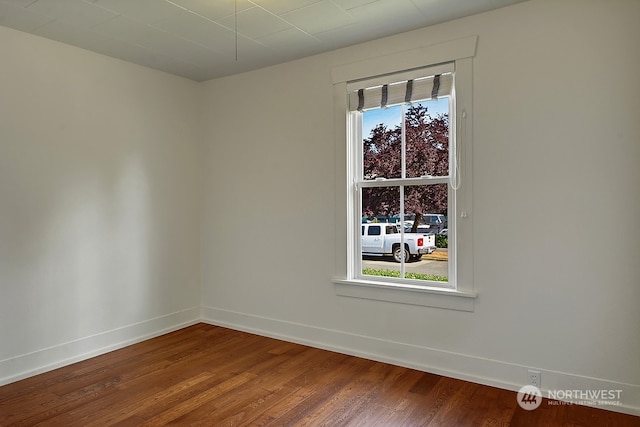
(374,231)
(403,169)
(404,126)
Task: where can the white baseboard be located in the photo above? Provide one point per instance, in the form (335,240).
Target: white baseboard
(479,370)
(36,362)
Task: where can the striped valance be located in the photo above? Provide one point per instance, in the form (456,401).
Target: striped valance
(365,95)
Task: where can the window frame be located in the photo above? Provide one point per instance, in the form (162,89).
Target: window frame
(348,281)
(356,175)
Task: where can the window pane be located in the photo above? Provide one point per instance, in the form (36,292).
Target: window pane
(427,202)
(381,208)
(428,205)
(380,204)
(382,143)
(427,138)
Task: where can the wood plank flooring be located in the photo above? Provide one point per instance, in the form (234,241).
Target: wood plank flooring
(212,376)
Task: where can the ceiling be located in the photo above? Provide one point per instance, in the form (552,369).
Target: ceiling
(205,39)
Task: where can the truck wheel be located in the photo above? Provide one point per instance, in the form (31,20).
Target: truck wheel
(399,253)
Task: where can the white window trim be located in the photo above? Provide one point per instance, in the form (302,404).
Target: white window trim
(347,284)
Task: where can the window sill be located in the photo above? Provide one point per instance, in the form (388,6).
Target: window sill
(405,294)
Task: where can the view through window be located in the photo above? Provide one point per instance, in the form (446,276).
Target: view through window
(404,191)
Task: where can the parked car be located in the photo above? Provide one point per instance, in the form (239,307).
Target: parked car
(434,221)
(422,228)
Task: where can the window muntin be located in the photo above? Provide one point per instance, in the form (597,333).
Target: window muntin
(403,165)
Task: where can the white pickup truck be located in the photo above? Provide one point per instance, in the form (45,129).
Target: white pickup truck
(384,239)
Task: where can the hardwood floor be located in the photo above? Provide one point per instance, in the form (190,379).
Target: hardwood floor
(207,375)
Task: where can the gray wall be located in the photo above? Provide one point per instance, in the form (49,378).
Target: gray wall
(99,203)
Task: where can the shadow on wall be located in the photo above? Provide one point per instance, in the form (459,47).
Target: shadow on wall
(74,242)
